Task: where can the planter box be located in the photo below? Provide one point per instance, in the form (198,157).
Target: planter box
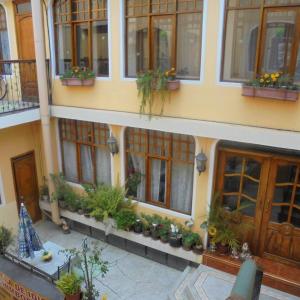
(78,82)
(173,85)
(271,93)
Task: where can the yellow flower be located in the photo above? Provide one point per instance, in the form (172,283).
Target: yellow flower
(104,297)
(261,80)
(266,75)
(212,230)
(277,75)
(274,79)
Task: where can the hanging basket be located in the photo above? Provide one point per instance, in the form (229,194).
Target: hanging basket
(270,93)
(78,82)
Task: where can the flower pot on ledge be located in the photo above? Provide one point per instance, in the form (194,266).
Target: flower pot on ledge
(78,82)
(173,85)
(271,93)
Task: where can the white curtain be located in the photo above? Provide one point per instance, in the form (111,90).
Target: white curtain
(103,167)
(87,168)
(139,166)
(70,161)
(182,186)
(158,180)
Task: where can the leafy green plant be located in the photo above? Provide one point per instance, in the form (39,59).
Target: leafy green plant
(132,183)
(6,238)
(164,229)
(125,219)
(69,284)
(151,85)
(79,73)
(190,238)
(89,260)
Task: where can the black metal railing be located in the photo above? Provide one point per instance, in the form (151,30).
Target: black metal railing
(18,85)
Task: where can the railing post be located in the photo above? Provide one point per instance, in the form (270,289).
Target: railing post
(39,45)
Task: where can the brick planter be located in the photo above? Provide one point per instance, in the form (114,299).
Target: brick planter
(270,93)
(78,82)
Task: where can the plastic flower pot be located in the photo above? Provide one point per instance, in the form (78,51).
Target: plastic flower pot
(175,240)
(164,238)
(187,247)
(138,227)
(173,85)
(146,232)
(198,249)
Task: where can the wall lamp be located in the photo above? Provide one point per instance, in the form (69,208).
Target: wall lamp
(112,145)
(201,160)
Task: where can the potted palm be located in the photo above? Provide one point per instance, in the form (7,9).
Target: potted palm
(70,286)
(77,76)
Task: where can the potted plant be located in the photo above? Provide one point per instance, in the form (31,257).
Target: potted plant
(189,239)
(146,225)
(44,191)
(46,256)
(77,76)
(198,247)
(91,264)
(138,226)
(175,237)
(70,286)
(164,230)
(173,84)
(125,219)
(6,238)
(272,85)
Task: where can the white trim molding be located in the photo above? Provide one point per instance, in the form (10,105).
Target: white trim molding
(17,118)
(209,129)
(2,195)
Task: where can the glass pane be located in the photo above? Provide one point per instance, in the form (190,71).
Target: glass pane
(100,48)
(63,48)
(163,37)
(136,177)
(159,143)
(297,72)
(240,44)
(4,48)
(80,10)
(243,3)
(250,188)
(23,8)
(286,174)
(281,2)
(137,46)
(189,30)
(295,218)
(182,186)
(278,41)
(70,161)
(234,164)
(253,168)
(297,197)
(158,180)
(103,169)
(82,48)
(282,194)
(230,202)
(249,207)
(87,168)
(232,184)
(279,214)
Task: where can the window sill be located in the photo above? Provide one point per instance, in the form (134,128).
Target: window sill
(106,78)
(230,84)
(182,81)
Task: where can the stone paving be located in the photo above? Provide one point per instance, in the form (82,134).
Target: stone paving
(129,277)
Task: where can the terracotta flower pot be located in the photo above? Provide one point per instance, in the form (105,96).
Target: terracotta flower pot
(173,85)
(78,82)
(73,297)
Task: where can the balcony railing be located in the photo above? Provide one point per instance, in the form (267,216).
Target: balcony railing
(18,85)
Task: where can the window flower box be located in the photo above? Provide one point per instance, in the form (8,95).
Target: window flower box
(78,77)
(271,93)
(173,85)
(273,86)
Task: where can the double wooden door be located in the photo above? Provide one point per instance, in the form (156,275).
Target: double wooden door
(267,188)
(26,185)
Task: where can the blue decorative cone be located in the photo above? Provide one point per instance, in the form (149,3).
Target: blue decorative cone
(28,239)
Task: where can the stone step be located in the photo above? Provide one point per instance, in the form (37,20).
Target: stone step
(179,287)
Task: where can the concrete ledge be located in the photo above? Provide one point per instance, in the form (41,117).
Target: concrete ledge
(128,236)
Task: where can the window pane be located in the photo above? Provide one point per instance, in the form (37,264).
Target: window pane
(87,168)
(250,188)
(182,186)
(295,218)
(233,165)
(230,202)
(70,161)
(240,44)
(103,168)
(136,178)
(253,168)
(278,41)
(82,48)
(4,48)
(249,207)
(279,214)
(189,30)
(163,36)
(282,194)
(232,184)
(281,2)
(100,48)
(297,72)
(286,174)
(137,46)
(64,48)
(158,180)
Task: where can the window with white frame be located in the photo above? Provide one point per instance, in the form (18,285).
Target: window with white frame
(164,34)
(160,168)
(85,154)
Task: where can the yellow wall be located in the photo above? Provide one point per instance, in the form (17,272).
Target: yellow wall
(15,141)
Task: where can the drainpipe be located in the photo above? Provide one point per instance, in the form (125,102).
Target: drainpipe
(40,55)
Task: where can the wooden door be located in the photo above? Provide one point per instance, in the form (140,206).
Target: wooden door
(24,28)
(26,185)
(280,232)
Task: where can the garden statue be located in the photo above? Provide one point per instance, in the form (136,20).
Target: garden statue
(245,254)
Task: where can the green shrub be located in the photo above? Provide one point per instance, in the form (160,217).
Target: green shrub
(125,219)
(69,284)
(190,238)
(6,238)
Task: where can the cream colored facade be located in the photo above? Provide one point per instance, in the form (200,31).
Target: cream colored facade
(207,109)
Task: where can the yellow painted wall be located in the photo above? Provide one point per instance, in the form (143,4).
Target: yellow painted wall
(16,141)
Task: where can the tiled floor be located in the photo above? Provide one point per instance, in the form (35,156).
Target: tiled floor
(130,276)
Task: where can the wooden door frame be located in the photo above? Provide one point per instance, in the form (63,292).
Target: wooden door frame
(15,158)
